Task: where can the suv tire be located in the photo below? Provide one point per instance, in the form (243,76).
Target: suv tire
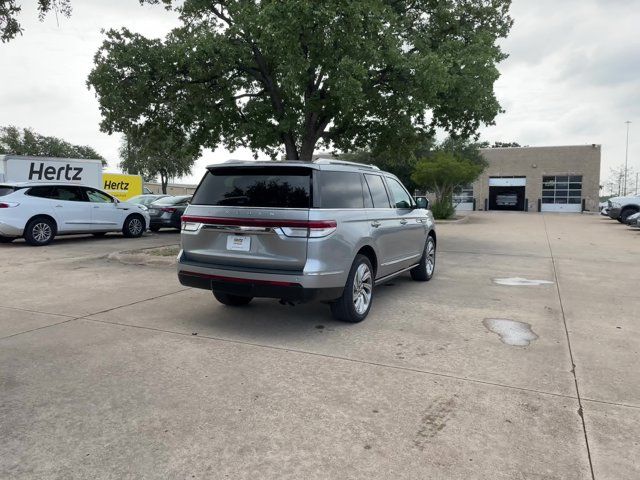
(133,226)
(626,213)
(423,272)
(355,303)
(232,300)
(40,231)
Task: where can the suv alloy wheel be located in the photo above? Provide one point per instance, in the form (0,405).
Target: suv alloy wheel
(424,271)
(354,304)
(39,232)
(133,226)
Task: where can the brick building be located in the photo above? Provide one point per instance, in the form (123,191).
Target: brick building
(547,179)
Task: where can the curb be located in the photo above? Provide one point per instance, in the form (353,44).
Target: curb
(464,219)
(141,257)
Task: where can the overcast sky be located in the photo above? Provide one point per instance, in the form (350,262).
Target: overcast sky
(572,78)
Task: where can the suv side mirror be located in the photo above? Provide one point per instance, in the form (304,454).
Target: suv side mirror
(422,203)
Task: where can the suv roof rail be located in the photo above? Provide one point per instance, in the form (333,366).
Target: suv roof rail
(330,161)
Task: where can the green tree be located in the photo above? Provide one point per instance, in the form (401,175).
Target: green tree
(15,141)
(9,11)
(453,164)
(291,76)
(157,154)
(401,161)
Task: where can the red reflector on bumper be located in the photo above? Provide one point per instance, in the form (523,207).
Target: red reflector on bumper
(241,280)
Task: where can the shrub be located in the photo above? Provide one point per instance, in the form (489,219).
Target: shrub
(443,209)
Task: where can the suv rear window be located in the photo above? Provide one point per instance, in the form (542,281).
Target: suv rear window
(274,187)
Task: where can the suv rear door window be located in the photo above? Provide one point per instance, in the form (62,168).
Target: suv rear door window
(401,199)
(274,187)
(340,190)
(68,193)
(378,191)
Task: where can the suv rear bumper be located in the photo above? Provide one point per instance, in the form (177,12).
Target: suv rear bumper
(163,222)
(7,230)
(297,286)
(257,288)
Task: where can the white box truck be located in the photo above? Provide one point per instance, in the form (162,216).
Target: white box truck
(19,168)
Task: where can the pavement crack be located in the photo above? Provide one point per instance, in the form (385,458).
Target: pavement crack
(71,318)
(333,357)
(39,328)
(573,363)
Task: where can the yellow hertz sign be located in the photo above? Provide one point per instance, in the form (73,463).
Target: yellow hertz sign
(123,187)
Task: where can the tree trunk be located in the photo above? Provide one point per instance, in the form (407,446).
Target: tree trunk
(290,147)
(164,180)
(308,147)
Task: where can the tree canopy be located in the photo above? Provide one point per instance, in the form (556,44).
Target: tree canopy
(9,11)
(157,154)
(448,167)
(15,141)
(291,76)
(444,171)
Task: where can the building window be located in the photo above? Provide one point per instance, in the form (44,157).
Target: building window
(465,195)
(562,189)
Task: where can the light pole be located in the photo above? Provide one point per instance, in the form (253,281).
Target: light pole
(626,159)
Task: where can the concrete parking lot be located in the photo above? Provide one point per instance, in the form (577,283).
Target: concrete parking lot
(116,371)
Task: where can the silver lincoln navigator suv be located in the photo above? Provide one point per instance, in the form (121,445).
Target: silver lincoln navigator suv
(297,231)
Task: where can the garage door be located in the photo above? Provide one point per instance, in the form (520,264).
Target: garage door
(556,207)
(561,193)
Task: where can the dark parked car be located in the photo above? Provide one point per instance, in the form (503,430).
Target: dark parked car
(146,199)
(167,212)
(634,220)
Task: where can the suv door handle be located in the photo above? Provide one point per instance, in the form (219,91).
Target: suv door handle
(375,224)
(403,222)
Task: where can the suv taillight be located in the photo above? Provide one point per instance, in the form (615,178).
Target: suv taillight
(8,204)
(168,209)
(311,229)
(289,228)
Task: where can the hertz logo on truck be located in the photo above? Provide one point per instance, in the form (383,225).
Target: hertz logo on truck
(63,172)
(111,185)
(121,186)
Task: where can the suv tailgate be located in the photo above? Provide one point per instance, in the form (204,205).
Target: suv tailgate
(249,217)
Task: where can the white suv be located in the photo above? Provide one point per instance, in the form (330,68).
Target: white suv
(38,212)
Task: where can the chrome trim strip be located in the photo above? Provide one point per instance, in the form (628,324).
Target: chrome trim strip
(391,275)
(228,207)
(400,260)
(324,273)
(237,228)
